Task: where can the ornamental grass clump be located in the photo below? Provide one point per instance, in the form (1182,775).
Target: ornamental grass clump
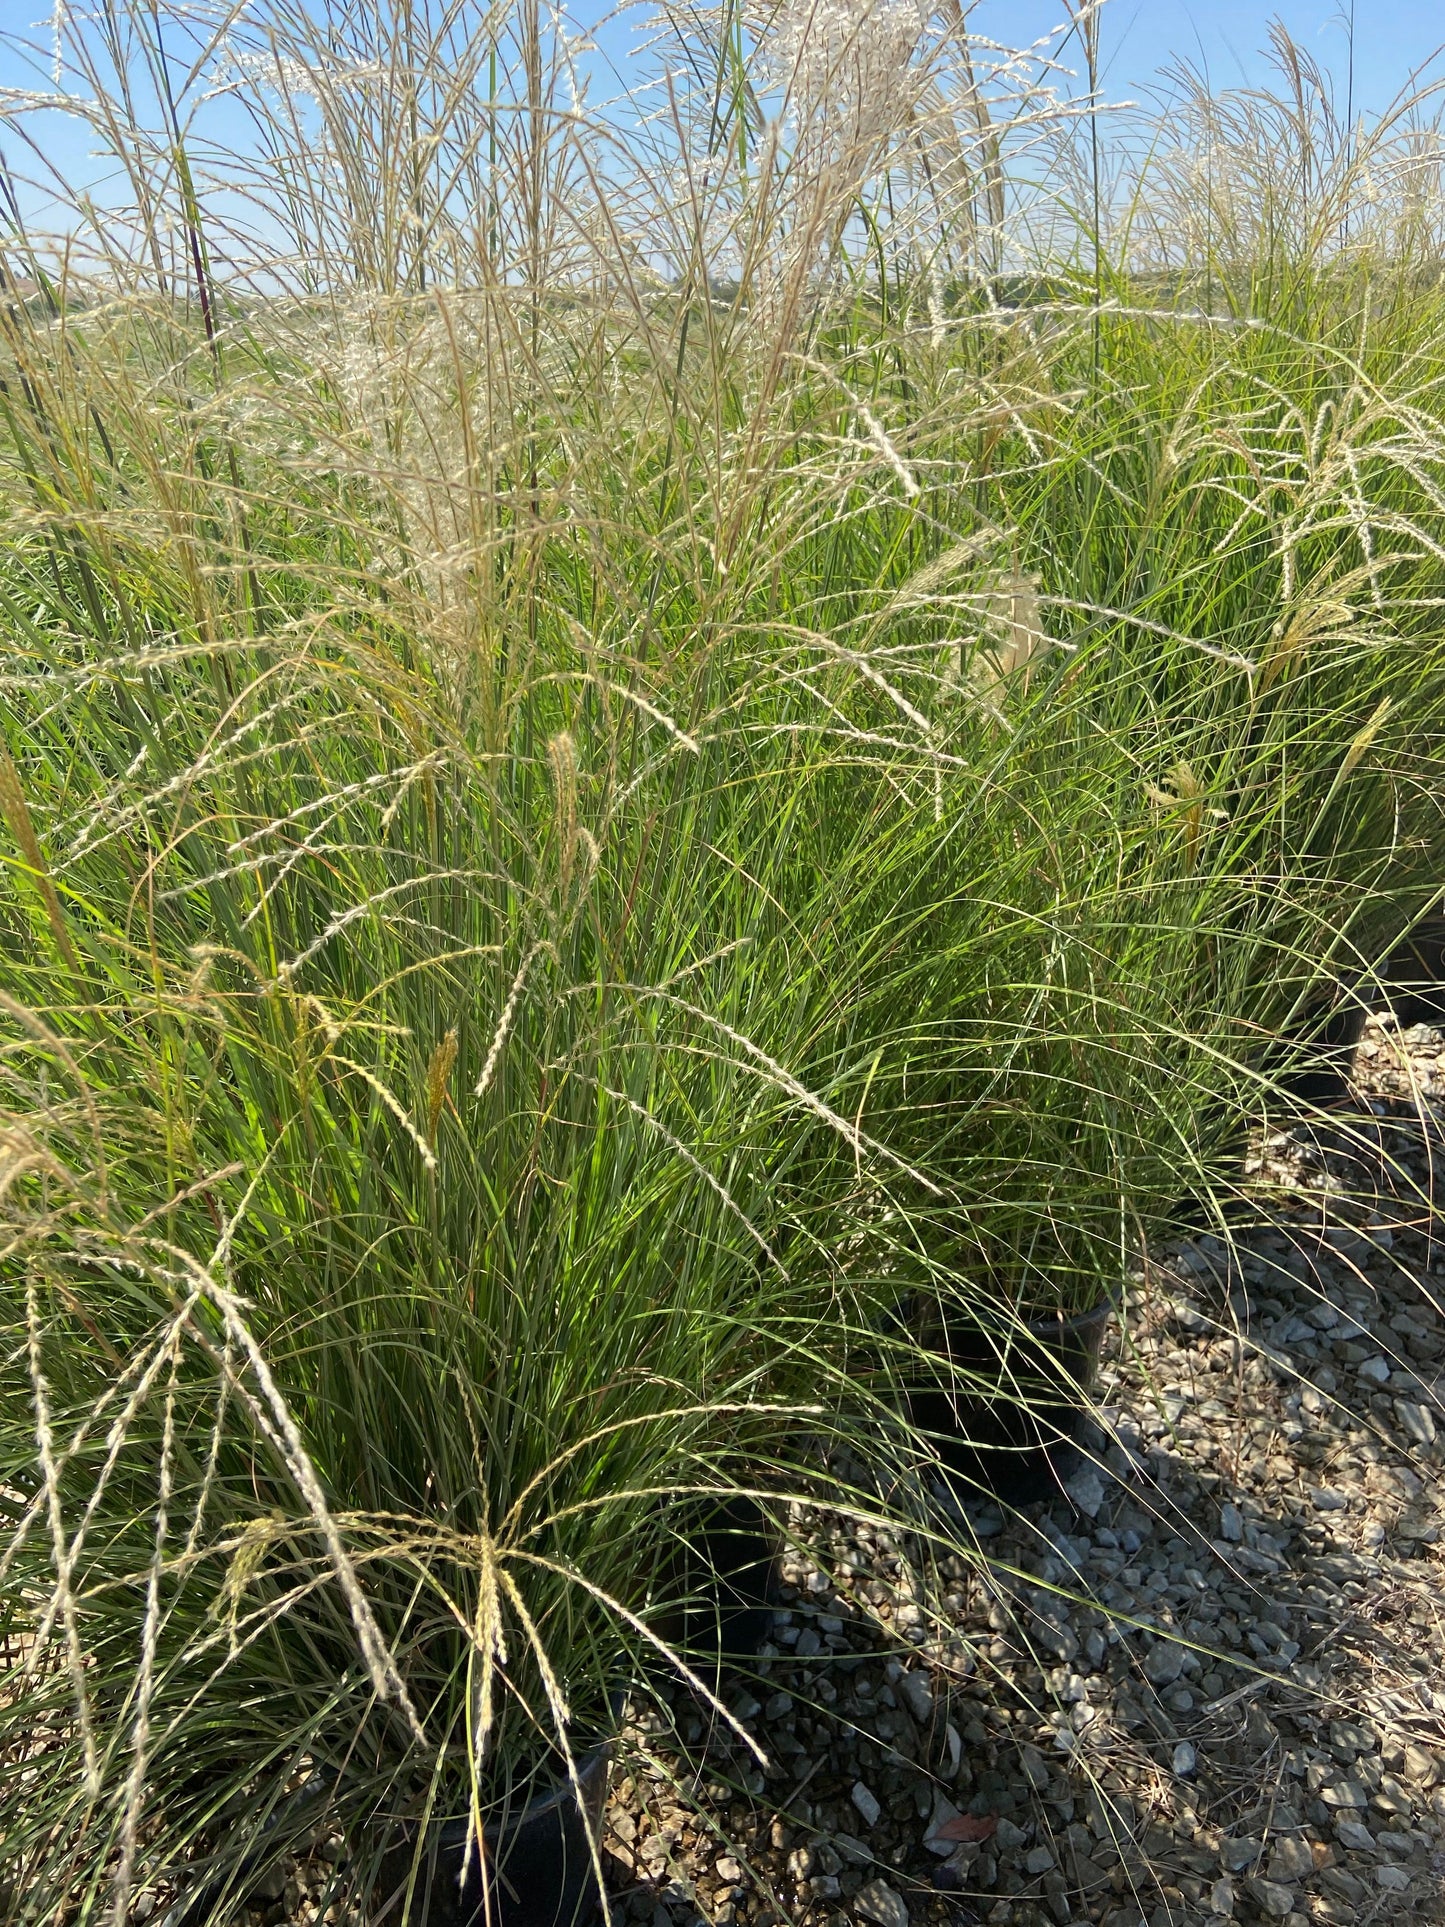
(421,910)
(411,1220)
(386,1236)
(619,784)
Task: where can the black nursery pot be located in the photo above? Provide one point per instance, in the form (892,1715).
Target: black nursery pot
(724,1574)
(735,1548)
(1414,978)
(539,1863)
(1322,1078)
(1309,1067)
(1020,1444)
(1312,1062)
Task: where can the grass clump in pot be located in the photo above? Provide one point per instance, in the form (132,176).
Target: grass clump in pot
(383,1264)
(397,1043)
(1198,702)
(594,856)
(410,1223)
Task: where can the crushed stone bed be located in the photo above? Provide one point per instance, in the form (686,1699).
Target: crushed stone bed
(1264,1486)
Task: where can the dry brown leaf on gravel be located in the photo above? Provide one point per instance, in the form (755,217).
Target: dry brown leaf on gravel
(968,1826)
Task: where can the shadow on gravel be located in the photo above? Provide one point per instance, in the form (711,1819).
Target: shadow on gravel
(1206,1684)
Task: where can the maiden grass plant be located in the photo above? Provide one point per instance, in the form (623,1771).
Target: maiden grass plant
(397,1204)
(580,835)
(1284,495)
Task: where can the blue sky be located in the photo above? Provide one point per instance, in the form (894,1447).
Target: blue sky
(1139,38)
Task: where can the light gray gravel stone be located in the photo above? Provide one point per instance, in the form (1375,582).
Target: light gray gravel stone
(881,1904)
(1272,1897)
(943,1815)
(852,1849)
(1354,1835)
(1326,1498)
(1086,1490)
(1164,1662)
(1035,1767)
(1391,1796)
(1345,1793)
(1415,1421)
(1291,1859)
(916,1689)
(867,1805)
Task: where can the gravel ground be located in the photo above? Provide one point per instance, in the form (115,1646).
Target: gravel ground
(1206,1683)
(1265,1488)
